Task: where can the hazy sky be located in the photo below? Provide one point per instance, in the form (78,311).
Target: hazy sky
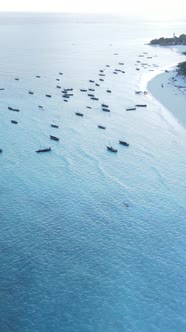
(138,7)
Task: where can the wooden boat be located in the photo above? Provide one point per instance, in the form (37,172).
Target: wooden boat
(101,79)
(104,105)
(58,86)
(83,90)
(30,92)
(94,98)
(57,79)
(54,138)
(121,63)
(138,92)
(38,76)
(97,84)
(13,109)
(90,95)
(91,81)
(49,96)
(43,150)
(110,148)
(89,107)
(54,126)
(107,65)
(91,89)
(1,89)
(105,110)
(13,121)
(40,106)
(141,105)
(124,143)
(101,127)
(79,114)
(131,109)
(16,79)
(109,91)
(1,150)
(60,73)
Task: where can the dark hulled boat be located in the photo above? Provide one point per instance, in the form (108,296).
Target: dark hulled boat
(79,114)
(49,96)
(54,126)
(101,127)
(13,121)
(13,109)
(30,92)
(54,138)
(110,148)
(131,109)
(123,143)
(43,150)
(141,105)
(105,109)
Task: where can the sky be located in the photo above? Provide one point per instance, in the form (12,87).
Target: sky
(137,7)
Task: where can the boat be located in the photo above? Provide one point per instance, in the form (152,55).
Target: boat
(58,86)
(101,74)
(138,92)
(57,79)
(90,95)
(1,150)
(101,71)
(104,105)
(97,84)
(40,106)
(38,76)
(109,91)
(54,126)
(43,150)
(105,109)
(13,121)
(121,63)
(1,89)
(131,109)
(94,98)
(89,107)
(91,81)
(79,114)
(30,92)
(101,127)
(107,65)
(114,72)
(54,138)
(65,100)
(124,143)
(83,90)
(13,109)
(137,69)
(101,79)
(16,79)
(60,73)
(110,148)
(91,89)
(141,105)
(49,96)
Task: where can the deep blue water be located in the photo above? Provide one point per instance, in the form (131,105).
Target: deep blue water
(90,240)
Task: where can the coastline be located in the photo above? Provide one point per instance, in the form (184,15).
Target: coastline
(169,89)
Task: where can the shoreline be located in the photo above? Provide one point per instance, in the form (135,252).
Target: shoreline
(169,89)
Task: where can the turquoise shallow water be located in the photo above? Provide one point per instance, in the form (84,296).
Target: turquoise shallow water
(74,257)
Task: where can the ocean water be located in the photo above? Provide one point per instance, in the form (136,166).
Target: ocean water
(90,240)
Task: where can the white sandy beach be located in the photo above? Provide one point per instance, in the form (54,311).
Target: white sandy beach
(169,89)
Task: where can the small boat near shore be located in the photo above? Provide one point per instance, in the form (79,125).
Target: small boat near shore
(109,91)
(101,127)
(54,126)
(104,105)
(131,109)
(13,109)
(79,114)
(13,121)
(49,96)
(30,92)
(123,143)
(54,138)
(105,109)
(43,150)
(110,148)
